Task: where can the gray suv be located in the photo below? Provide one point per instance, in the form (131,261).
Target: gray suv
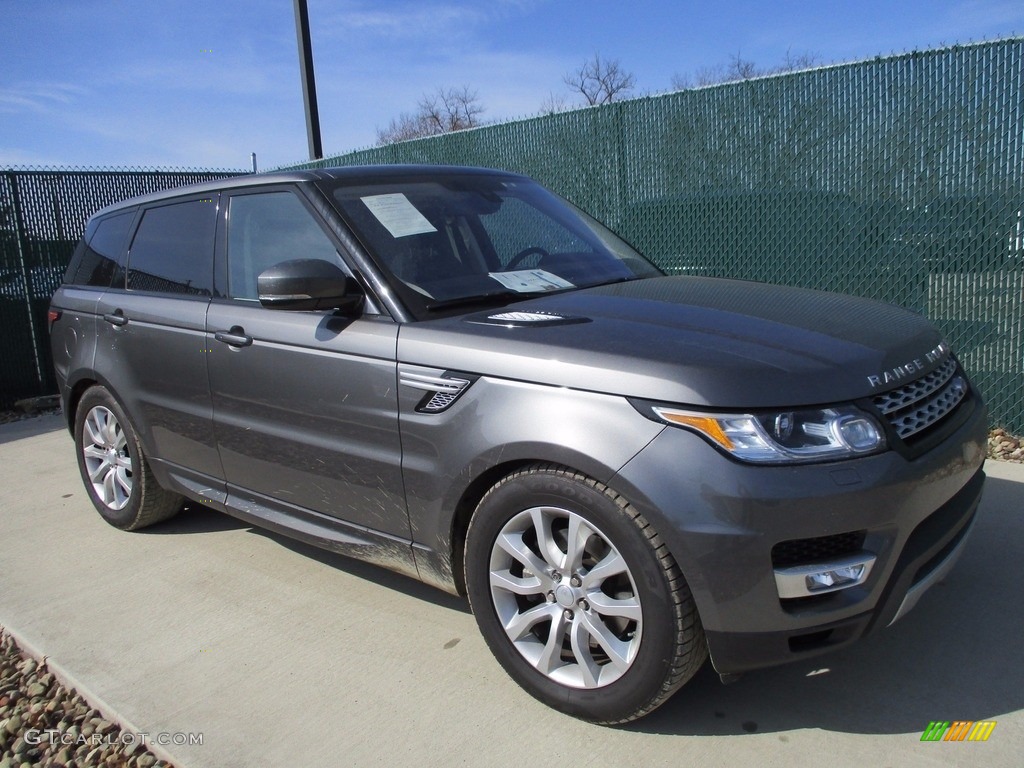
(458,375)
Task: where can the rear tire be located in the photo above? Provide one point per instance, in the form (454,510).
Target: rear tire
(578,597)
(114,469)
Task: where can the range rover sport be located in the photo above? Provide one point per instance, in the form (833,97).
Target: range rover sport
(460,376)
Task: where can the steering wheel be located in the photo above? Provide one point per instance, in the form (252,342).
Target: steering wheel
(520,257)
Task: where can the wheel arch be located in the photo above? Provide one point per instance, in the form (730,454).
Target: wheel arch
(463,513)
(74,397)
(483,480)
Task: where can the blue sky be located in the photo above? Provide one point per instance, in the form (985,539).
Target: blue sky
(204,83)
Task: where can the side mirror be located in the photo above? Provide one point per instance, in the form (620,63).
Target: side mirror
(309,284)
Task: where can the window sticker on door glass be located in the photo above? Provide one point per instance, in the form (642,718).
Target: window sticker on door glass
(398,215)
(531,280)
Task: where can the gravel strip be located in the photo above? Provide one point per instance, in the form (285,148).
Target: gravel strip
(44,724)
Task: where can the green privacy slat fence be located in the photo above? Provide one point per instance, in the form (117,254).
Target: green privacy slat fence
(900,178)
(42,215)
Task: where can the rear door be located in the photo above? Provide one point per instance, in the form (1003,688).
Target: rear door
(304,402)
(151,334)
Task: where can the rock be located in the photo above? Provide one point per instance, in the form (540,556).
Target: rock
(35,690)
(1002,446)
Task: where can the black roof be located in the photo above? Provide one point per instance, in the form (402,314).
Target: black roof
(352,172)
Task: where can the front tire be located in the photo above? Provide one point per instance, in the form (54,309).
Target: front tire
(578,598)
(114,469)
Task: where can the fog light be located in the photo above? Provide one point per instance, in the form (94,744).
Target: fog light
(836,578)
(820,578)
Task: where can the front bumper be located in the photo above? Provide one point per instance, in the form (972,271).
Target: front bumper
(729,525)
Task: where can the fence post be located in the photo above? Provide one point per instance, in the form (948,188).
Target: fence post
(22,241)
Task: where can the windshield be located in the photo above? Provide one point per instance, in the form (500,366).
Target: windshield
(455,241)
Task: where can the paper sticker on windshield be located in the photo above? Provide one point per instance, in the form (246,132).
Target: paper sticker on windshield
(530,280)
(398,215)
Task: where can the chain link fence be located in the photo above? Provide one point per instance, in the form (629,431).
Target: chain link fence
(899,178)
(42,216)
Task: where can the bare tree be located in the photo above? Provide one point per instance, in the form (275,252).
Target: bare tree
(405,126)
(742,69)
(804,60)
(601,81)
(703,76)
(451,110)
(739,68)
(553,104)
(443,111)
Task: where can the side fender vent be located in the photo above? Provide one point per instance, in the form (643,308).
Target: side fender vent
(440,392)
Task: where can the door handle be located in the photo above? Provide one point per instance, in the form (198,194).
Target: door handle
(236,337)
(116,318)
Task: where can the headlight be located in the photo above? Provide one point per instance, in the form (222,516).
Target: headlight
(777,437)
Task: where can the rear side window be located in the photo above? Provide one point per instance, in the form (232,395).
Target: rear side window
(266,229)
(98,265)
(172,251)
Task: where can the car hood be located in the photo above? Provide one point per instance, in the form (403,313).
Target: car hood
(689,340)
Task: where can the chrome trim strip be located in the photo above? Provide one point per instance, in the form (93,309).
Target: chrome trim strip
(938,573)
(791,581)
(432,383)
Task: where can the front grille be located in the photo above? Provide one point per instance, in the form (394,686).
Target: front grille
(817,550)
(916,406)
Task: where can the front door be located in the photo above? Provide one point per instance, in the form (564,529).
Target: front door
(304,403)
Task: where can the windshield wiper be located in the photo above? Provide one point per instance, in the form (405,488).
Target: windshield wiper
(496,297)
(615,280)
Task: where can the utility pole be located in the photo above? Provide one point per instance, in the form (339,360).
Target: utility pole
(316,151)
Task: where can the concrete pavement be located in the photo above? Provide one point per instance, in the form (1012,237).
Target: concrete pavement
(282,655)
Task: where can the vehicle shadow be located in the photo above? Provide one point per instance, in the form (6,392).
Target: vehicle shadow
(33,426)
(376,574)
(195,518)
(956,656)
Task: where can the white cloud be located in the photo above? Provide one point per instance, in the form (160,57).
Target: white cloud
(409,21)
(40,97)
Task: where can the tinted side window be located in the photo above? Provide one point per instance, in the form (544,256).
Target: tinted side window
(266,229)
(98,264)
(173,249)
